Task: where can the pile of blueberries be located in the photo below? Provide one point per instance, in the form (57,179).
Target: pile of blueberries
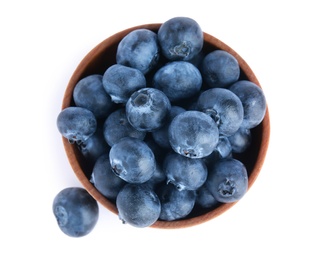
(160,128)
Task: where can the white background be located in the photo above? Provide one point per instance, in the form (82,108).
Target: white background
(41,44)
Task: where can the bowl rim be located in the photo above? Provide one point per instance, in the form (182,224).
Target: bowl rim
(72,152)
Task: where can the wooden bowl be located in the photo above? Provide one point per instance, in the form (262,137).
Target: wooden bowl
(103,56)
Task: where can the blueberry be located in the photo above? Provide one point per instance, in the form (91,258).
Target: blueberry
(138,205)
(147,109)
(241,140)
(158,151)
(178,80)
(224,148)
(193,134)
(161,135)
(89,93)
(117,126)
(94,146)
(253,101)
(180,38)
(205,199)
(220,69)
(76,211)
(175,204)
(132,160)
(224,107)
(120,82)
(105,181)
(139,49)
(184,173)
(76,124)
(227,180)
(158,177)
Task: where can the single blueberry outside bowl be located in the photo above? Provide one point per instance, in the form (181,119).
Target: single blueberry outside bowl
(97,61)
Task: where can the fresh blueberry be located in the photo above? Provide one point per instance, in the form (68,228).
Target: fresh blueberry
(76,124)
(227,180)
(253,101)
(224,107)
(178,80)
(117,126)
(158,151)
(184,173)
(161,135)
(158,177)
(205,199)
(193,134)
(139,49)
(241,140)
(220,69)
(198,59)
(175,204)
(121,81)
(138,205)
(94,146)
(89,93)
(223,148)
(105,181)
(147,109)
(76,211)
(180,38)
(132,160)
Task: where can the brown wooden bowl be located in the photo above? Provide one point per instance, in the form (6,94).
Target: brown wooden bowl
(103,56)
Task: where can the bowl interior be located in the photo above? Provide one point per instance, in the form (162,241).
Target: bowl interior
(103,56)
